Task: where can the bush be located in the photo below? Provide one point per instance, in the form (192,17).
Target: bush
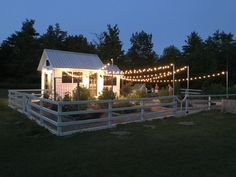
(164,92)
(67,97)
(141,93)
(107,94)
(126,89)
(47,94)
(84,94)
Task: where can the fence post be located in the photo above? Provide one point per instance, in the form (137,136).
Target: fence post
(142,110)
(29,107)
(24,103)
(40,111)
(109,113)
(21,102)
(17,100)
(209,102)
(59,130)
(55,89)
(174,106)
(222,105)
(186,104)
(9,98)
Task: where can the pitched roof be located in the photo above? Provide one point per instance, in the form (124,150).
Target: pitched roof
(66,59)
(113,68)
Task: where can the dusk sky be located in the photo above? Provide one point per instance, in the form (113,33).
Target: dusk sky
(169,21)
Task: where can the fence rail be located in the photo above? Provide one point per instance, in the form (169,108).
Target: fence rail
(68,117)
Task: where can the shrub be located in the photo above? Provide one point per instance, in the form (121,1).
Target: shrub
(107,94)
(141,93)
(47,94)
(126,89)
(84,94)
(164,92)
(67,97)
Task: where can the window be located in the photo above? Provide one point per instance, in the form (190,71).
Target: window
(77,76)
(108,80)
(47,63)
(68,77)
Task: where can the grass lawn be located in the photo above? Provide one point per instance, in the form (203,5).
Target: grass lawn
(155,148)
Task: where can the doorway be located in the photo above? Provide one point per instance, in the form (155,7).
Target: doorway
(48,81)
(93,84)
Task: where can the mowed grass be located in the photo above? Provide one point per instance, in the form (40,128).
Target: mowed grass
(154,148)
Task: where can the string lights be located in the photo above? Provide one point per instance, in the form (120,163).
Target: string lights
(72,75)
(176,80)
(156,75)
(153,74)
(145,70)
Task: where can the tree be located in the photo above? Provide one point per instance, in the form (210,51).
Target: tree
(53,38)
(222,45)
(19,54)
(193,43)
(109,45)
(197,56)
(172,54)
(223,49)
(78,43)
(141,51)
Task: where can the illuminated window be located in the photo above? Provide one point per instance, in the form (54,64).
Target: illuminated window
(108,80)
(66,77)
(77,76)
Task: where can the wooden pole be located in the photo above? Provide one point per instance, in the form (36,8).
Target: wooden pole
(111,78)
(173,65)
(187,78)
(55,89)
(78,89)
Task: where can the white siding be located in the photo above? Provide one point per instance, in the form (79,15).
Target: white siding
(62,88)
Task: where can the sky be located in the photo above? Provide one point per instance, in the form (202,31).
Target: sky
(169,21)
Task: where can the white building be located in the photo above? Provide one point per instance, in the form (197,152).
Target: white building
(61,71)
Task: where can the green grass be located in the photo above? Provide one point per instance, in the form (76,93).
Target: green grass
(206,149)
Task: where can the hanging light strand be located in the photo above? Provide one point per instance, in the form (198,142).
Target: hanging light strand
(202,77)
(155,75)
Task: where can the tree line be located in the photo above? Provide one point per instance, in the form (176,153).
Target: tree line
(21,51)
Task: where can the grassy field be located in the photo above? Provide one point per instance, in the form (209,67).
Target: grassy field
(156,148)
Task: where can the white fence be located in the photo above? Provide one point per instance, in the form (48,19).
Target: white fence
(205,102)
(68,117)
